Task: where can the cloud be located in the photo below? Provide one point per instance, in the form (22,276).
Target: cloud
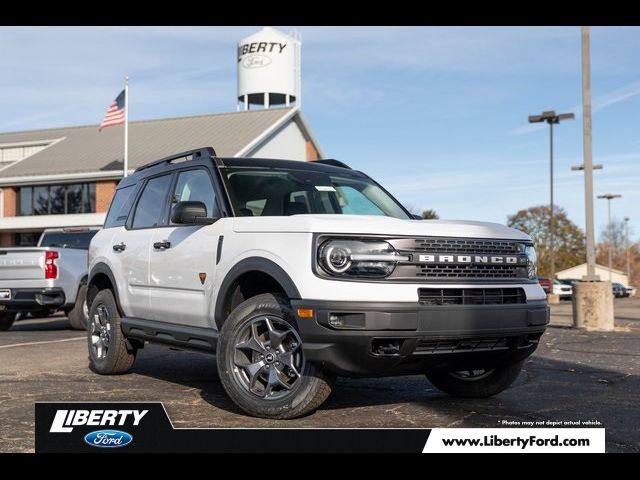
(598,103)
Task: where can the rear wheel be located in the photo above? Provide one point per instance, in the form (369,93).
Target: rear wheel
(6,320)
(79,314)
(109,353)
(261,361)
(478,383)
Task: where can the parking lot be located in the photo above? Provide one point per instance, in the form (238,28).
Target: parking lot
(574,375)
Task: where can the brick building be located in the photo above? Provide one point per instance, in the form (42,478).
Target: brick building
(65,177)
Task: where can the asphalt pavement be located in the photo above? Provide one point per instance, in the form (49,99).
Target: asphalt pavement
(574,375)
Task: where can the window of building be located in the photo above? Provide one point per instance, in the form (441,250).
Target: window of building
(57,199)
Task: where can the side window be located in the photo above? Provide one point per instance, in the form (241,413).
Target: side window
(120,206)
(195,185)
(152,202)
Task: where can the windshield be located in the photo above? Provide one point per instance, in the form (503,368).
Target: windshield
(256,191)
(79,240)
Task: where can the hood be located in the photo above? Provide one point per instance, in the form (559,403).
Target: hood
(376,225)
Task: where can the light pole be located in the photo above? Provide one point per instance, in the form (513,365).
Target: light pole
(551,118)
(608,197)
(626,249)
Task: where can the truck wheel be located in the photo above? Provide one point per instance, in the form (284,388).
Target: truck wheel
(261,361)
(480,383)
(6,320)
(108,352)
(79,314)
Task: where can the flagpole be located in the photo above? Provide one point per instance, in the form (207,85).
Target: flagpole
(126,126)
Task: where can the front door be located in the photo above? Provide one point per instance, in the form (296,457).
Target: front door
(183,258)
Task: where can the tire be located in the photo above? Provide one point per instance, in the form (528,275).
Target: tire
(108,352)
(6,320)
(79,314)
(282,385)
(484,385)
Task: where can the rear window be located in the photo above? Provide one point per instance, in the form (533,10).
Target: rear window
(120,206)
(79,240)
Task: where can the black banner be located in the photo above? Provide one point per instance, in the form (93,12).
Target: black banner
(103,427)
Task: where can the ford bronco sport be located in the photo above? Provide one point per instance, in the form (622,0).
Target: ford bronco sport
(296,272)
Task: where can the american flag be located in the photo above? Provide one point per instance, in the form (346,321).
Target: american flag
(115,113)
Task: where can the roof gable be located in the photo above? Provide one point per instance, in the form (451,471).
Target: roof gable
(85,150)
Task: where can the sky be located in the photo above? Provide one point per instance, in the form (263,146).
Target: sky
(438,115)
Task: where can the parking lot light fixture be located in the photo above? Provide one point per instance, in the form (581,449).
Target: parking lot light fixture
(608,197)
(551,117)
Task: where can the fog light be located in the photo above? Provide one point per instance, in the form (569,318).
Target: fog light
(335,320)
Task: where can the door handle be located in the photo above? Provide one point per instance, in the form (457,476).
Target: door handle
(119,247)
(162,245)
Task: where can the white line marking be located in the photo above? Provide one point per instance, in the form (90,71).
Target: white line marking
(42,343)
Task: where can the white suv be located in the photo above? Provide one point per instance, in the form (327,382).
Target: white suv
(293,273)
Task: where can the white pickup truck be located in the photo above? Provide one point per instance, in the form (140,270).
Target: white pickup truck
(43,279)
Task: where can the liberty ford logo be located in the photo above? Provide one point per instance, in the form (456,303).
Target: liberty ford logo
(256,61)
(473,259)
(108,438)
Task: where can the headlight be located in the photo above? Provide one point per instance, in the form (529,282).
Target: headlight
(357,258)
(532,259)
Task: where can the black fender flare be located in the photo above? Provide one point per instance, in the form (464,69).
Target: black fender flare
(249,264)
(103,268)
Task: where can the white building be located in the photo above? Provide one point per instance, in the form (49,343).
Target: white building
(580,271)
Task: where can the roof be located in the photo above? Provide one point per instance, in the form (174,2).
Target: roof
(316,166)
(84,149)
(584,266)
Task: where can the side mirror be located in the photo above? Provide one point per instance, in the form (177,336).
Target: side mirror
(190,213)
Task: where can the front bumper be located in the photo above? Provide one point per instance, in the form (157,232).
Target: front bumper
(33,299)
(378,339)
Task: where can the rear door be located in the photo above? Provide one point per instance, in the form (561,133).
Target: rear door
(132,245)
(183,257)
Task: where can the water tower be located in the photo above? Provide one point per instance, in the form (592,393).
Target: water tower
(269,69)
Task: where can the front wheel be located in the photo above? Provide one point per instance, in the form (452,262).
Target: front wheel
(261,361)
(479,383)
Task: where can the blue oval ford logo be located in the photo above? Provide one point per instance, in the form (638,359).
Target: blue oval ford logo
(108,438)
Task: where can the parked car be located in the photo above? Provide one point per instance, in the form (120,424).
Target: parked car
(296,272)
(49,277)
(563,290)
(619,290)
(545,283)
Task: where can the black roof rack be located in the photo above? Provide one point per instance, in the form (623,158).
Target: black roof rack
(194,154)
(333,163)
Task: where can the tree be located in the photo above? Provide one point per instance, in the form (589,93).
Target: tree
(429,214)
(569,238)
(614,236)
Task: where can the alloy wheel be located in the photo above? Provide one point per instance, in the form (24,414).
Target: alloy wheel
(267,358)
(100,331)
(471,375)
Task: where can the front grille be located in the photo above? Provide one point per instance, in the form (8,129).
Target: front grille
(461,245)
(471,296)
(445,270)
(460,346)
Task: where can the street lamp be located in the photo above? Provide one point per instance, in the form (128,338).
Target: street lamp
(626,249)
(551,118)
(608,197)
